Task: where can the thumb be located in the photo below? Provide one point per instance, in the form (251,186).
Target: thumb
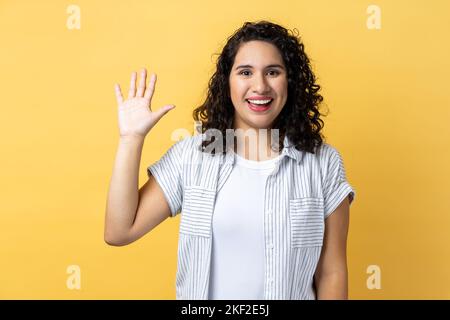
(163,110)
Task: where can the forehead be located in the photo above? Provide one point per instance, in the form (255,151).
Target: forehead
(258,52)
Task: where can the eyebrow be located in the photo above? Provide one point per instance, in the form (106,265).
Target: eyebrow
(269,66)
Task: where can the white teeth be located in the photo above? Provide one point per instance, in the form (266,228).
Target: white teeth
(260,101)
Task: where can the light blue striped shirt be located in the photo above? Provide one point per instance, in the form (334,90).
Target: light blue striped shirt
(302,191)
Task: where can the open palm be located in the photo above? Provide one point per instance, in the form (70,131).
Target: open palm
(135,114)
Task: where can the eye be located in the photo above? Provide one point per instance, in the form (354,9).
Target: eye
(242,72)
(248,72)
(274,72)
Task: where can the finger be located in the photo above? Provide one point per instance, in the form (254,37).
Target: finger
(119,96)
(151,87)
(163,110)
(142,81)
(132,91)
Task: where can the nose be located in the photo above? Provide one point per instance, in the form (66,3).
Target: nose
(260,84)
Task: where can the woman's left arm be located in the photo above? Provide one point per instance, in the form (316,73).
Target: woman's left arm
(331,278)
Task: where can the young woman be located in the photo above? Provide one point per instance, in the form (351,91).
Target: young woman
(264,215)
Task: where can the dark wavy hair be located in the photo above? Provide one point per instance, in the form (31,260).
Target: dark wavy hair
(299,119)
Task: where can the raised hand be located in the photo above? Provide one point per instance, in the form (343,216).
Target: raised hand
(135,115)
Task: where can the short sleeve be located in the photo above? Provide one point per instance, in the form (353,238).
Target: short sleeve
(168,173)
(336,186)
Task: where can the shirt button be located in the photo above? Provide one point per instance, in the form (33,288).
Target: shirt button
(271,246)
(269,212)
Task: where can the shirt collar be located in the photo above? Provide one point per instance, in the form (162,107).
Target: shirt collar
(289,150)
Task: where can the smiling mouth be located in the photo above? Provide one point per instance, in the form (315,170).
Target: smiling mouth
(258,106)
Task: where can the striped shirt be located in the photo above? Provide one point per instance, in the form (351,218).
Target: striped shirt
(238,258)
(302,191)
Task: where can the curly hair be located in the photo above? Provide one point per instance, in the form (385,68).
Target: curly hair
(299,119)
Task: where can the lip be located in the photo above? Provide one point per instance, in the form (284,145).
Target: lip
(259,98)
(257,108)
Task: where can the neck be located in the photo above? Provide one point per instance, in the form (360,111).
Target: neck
(256,145)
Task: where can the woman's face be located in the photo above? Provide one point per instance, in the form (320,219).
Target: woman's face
(257,75)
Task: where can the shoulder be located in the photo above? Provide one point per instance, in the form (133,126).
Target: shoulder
(187,146)
(327,151)
(191,144)
(331,163)
(324,154)
(186,143)
(327,159)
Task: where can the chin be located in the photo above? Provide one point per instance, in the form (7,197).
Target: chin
(259,123)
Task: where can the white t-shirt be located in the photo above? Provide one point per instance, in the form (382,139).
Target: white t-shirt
(237,262)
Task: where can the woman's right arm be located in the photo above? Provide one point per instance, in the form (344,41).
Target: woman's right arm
(130,212)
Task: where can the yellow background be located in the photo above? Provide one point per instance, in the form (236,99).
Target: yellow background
(387,92)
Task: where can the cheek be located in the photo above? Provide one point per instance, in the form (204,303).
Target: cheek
(282,84)
(281,89)
(232,84)
(235,94)
(237,89)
